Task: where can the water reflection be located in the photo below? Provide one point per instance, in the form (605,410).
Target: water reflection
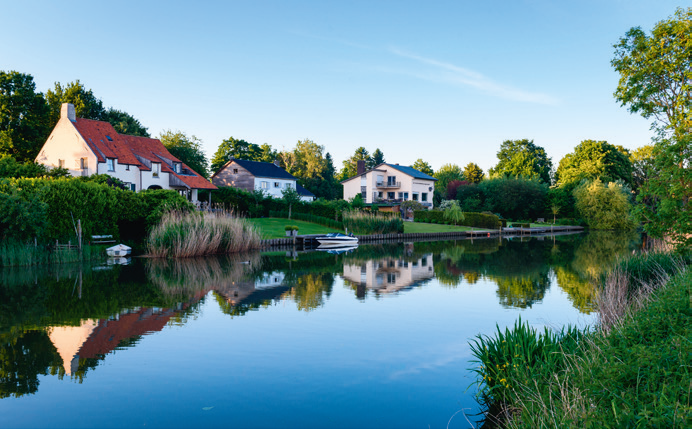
(65,320)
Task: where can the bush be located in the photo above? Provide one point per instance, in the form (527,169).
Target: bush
(309,218)
(375,223)
(514,198)
(604,206)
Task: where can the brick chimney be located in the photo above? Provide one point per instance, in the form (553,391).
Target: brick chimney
(360,167)
(67,111)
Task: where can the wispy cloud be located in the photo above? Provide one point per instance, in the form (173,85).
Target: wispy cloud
(439,71)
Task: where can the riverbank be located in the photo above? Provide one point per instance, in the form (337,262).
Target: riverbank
(633,370)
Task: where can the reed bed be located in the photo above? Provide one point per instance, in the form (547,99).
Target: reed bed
(20,254)
(373,223)
(186,235)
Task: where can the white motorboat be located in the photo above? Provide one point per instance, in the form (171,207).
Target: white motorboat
(119,250)
(336,249)
(337,238)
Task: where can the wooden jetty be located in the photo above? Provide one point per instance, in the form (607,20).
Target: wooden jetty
(310,242)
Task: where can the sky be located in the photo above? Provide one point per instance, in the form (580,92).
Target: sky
(447,82)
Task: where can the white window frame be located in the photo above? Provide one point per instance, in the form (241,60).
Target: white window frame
(264,184)
(110,163)
(155,169)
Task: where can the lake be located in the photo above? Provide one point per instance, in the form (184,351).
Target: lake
(378,337)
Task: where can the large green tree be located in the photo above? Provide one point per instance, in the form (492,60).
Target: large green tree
(24,117)
(446,174)
(377,158)
(656,82)
(350,166)
(124,123)
(604,206)
(240,149)
(592,160)
(313,169)
(473,173)
(187,149)
(522,158)
(423,167)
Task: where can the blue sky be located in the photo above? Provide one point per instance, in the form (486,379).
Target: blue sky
(442,81)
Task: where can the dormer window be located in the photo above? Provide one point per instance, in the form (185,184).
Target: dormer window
(177,167)
(109,138)
(110,162)
(155,169)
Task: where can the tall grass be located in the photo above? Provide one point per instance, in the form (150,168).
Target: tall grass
(185,235)
(373,223)
(20,254)
(632,372)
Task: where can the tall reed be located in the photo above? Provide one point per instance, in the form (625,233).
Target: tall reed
(184,235)
(20,254)
(373,223)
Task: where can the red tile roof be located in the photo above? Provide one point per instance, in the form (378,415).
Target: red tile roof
(126,148)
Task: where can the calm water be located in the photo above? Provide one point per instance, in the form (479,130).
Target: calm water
(373,338)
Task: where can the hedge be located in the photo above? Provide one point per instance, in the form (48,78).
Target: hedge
(472,219)
(320,220)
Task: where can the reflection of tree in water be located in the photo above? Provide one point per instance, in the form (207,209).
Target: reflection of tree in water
(581,292)
(600,250)
(22,360)
(309,290)
(522,291)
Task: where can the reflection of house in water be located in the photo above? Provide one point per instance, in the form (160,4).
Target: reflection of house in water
(389,274)
(267,286)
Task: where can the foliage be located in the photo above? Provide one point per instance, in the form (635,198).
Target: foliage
(604,206)
(665,200)
(453,186)
(240,149)
(423,167)
(377,158)
(187,149)
(522,158)
(373,223)
(124,123)
(656,72)
(594,160)
(24,117)
(357,202)
(470,197)
(476,220)
(643,166)
(291,197)
(562,197)
(313,170)
(350,165)
(324,221)
(10,168)
(453,213)
(446,174)
(514,198)
(473,173)
(22,218)
(187,234)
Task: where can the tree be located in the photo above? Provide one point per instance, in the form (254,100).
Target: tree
(24,117)
(522,158)
(86,104)
(124,123)
(453,212)
(239,149)
(453,186)
(656,82)
(514,198)
(656,73)
(350,166)
(604,206)
(187,149)
(267,154)
(592,160)
(423,167)
(292,197)
(376,159)
(473,173)
(642,165)
(447,173)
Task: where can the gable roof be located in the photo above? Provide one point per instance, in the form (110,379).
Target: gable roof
(303,192)
(105,142)
(260,169)
(410,171)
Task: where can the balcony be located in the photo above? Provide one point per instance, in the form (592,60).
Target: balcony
(388,185)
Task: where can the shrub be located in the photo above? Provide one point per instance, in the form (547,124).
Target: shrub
(515,198)
(604,206)
(309,218)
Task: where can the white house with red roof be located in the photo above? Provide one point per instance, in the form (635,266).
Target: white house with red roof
(86,147)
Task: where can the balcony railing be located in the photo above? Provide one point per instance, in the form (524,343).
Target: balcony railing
(388,184)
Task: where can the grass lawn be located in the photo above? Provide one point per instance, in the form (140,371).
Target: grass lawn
(274,227)
(419,227)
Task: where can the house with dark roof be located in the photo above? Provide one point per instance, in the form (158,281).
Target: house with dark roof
(262,176)
(85,147)
(388,185)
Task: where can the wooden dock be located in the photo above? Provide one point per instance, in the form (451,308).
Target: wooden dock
(309,241)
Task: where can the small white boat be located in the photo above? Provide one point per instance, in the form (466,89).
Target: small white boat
(336,249)
(119,250)
(337,238)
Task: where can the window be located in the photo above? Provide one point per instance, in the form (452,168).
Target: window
(133,187)
(127,167)
(391,278)
(405,196)
(424,196)
(379,195)
(177,167)
(288,185)
(155,169)
(110,162)
(390,195)
(391,180)
(265,185)
(109,138)
(61,163)
(235,171)
(415,196)
(401,195)
(83,163)
(277,185)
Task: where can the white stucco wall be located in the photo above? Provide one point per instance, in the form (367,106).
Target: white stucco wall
(271,189)
(67,144)
(409,185)
(148,179)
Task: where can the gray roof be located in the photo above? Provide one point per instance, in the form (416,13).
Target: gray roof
(263,169)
